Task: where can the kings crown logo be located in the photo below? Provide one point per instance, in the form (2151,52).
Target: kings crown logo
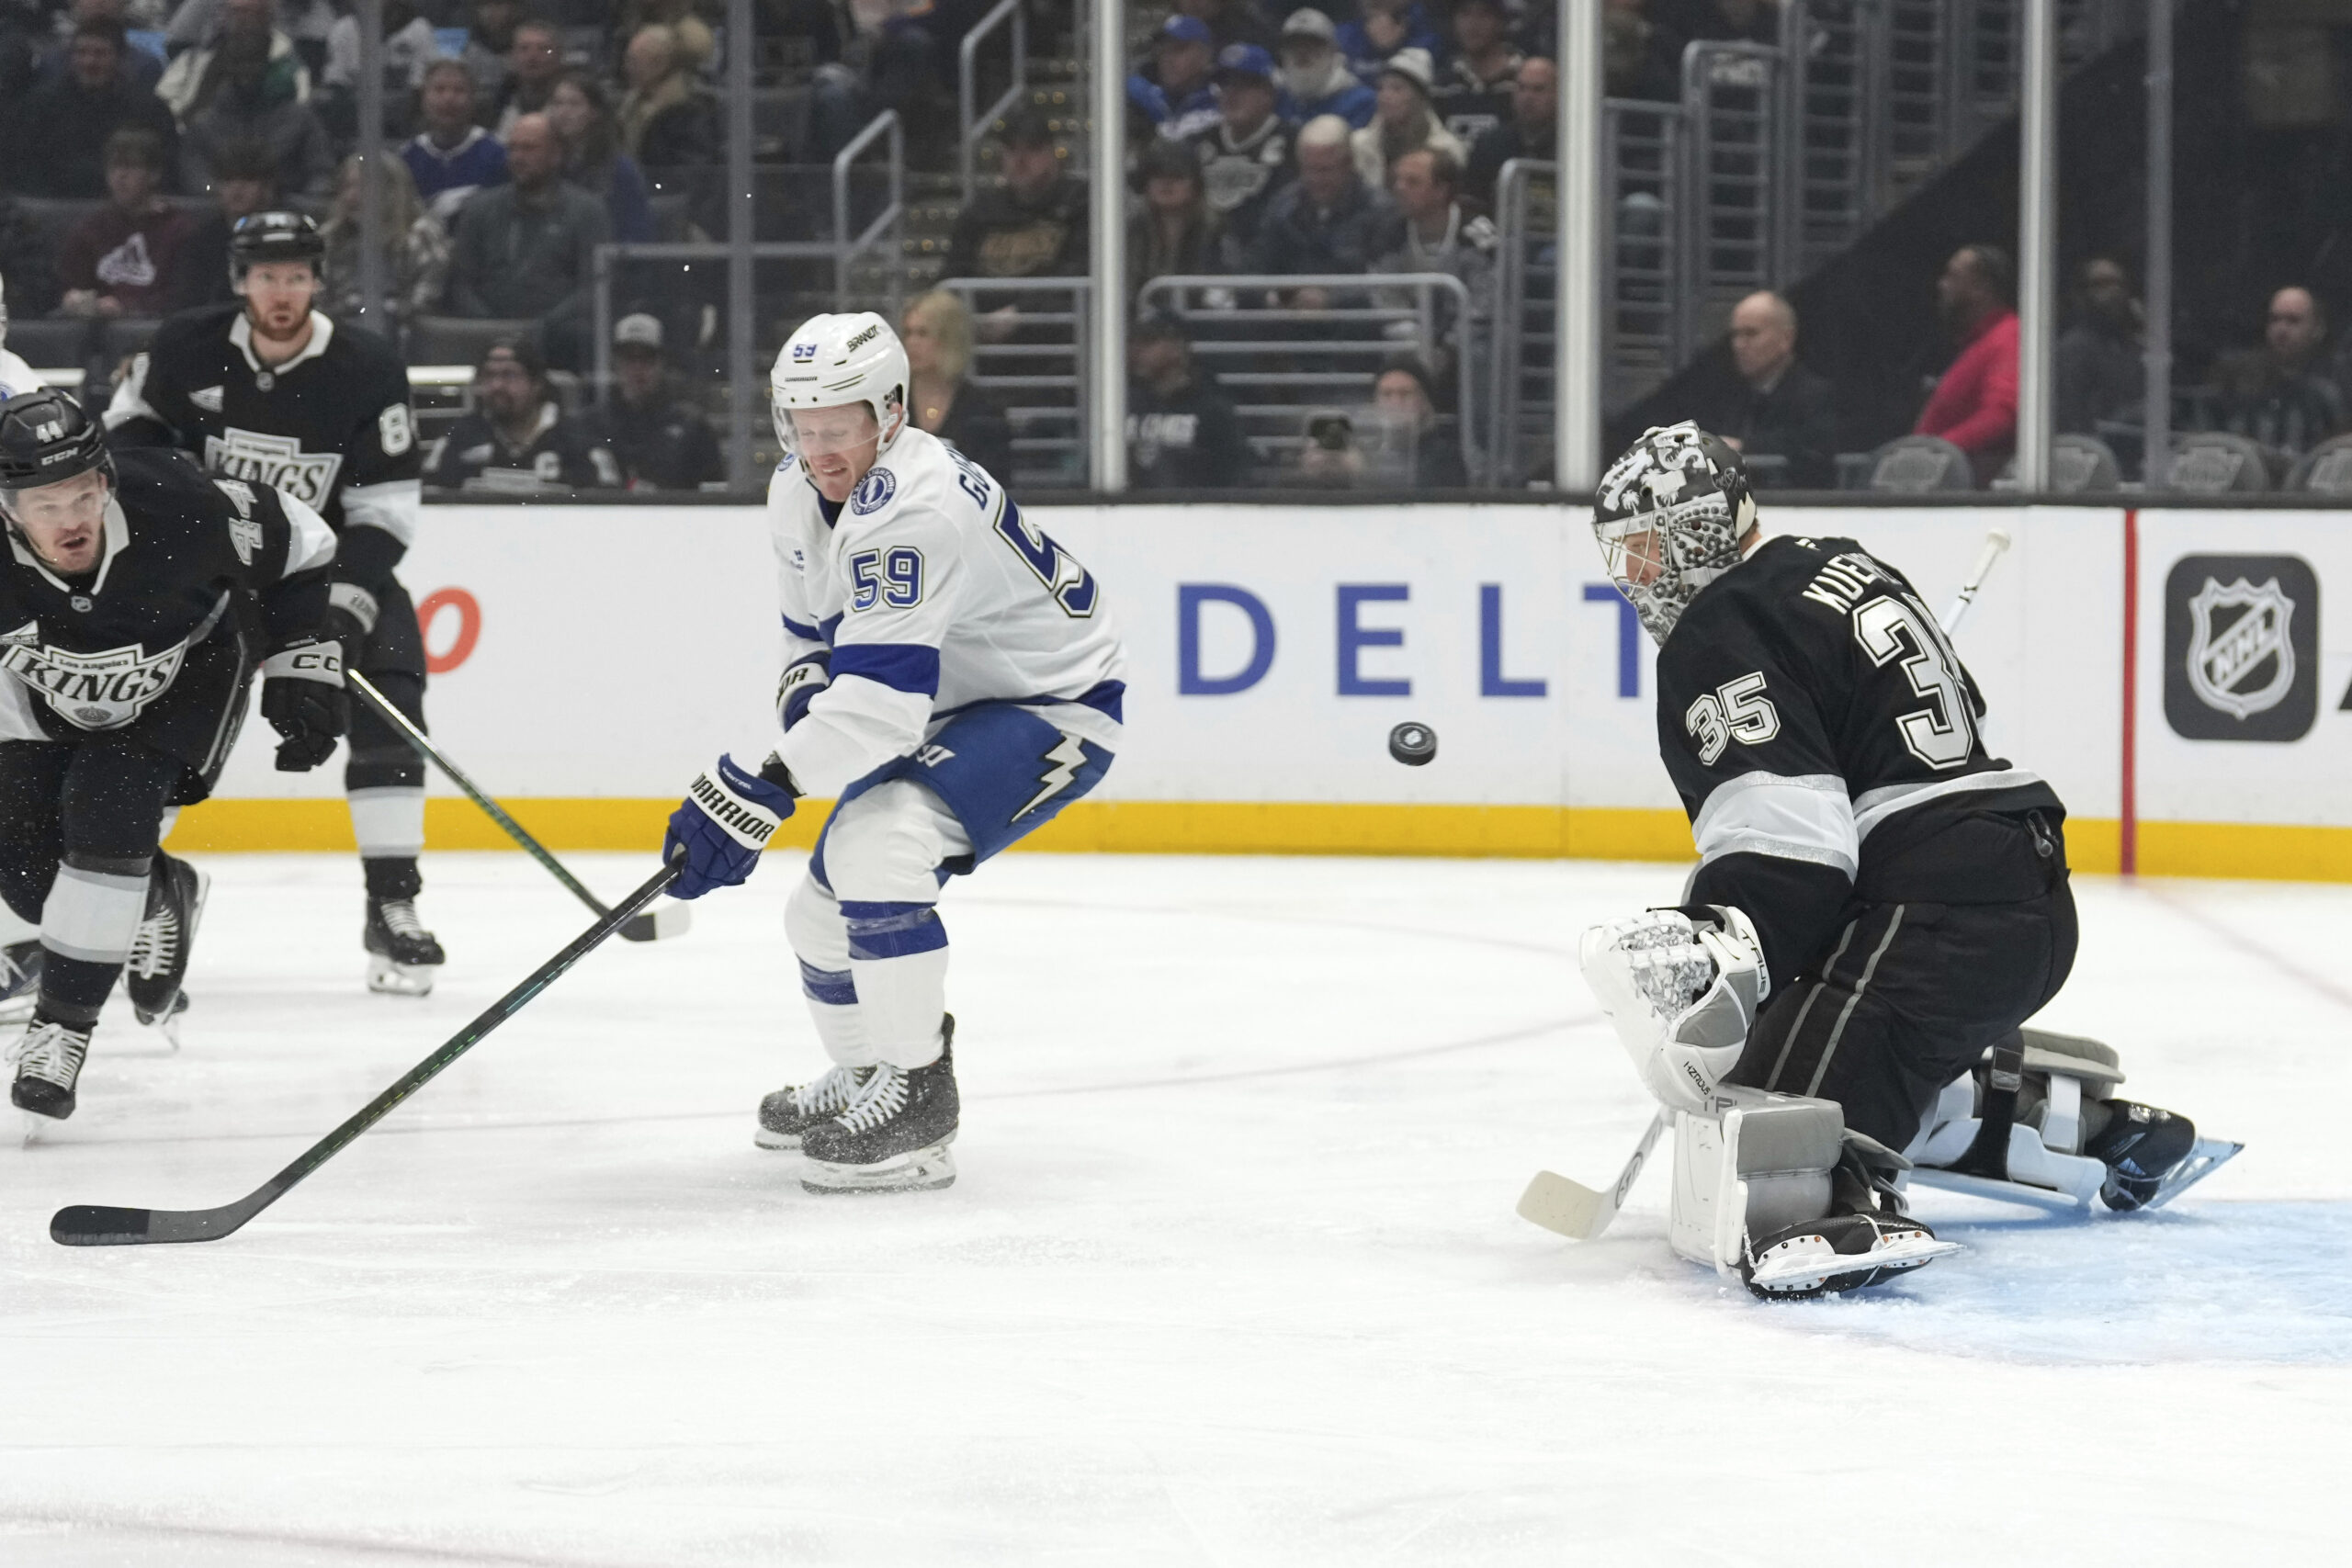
(2240,644)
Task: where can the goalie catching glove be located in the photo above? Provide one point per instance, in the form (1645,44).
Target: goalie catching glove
(728,817)
(1682,994)
(303,699)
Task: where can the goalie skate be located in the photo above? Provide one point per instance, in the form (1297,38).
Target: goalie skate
(403,958)
(1842,1252)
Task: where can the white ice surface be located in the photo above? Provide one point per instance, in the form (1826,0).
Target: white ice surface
(1231,1276)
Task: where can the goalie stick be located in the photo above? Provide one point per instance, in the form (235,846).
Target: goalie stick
(97,1224)
(1578,1212)
(1995,541)
(665,923)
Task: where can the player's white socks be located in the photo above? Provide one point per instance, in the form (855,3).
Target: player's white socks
(873,952)
(93,915)
(812,923)
(388,821)
(898,955)
(14,930)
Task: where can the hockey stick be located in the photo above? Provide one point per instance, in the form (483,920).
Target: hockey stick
(95,1224)
(1995,543)
(1576,1211)
(672,920)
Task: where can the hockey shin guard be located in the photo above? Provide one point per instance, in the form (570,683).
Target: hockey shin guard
(93,912)
(897,957)
(813,925)
(384,781)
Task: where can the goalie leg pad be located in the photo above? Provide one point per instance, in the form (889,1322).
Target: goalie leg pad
(1750,1162)
(1756,1196)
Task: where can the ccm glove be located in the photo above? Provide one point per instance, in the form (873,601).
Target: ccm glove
(803,679)
(303,697)
(727,818)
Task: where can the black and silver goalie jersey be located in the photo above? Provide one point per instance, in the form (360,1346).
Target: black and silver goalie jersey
(331,427)
(1827,742)
(200,581)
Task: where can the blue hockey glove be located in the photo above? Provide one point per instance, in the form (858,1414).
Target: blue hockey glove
(803,679)
(726,820)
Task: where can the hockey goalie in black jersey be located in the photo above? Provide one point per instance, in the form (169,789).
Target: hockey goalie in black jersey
(1879,907)
(138,602)
(270,391)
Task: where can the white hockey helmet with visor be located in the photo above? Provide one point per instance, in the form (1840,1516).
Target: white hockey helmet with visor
(832,362)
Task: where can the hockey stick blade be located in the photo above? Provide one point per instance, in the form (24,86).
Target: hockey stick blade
(1576,1211)
(99,1225)
(659,923)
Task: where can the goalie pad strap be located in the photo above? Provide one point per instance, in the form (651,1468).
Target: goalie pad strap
(2004,1077)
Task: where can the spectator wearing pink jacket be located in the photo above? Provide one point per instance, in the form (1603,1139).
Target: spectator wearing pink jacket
(1974,407)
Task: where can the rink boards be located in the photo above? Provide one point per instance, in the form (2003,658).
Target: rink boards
(2181,677)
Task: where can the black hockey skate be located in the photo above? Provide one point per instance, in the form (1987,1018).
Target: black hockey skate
(157,970)
(787,1115)
(48,1057)
(1865,1239)
(19,980)
(893,1137)
(2139,1146)
(403,958)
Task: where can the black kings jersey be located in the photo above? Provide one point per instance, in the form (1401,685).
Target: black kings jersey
(1827,742)
(200,581)
(331,427)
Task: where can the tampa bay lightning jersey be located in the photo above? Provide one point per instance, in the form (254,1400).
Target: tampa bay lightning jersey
(932,594)
(17,377)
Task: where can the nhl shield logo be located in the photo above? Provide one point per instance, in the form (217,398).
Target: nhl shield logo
(2242,647)
(2240,659)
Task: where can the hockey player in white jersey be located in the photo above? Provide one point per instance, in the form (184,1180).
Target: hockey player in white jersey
(952,677)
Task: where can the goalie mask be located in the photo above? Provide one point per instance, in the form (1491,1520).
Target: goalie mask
(1669,516)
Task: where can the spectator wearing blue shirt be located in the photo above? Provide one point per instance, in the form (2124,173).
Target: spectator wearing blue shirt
(1174,92)
(1384,27)
(1316,80)
(452,157)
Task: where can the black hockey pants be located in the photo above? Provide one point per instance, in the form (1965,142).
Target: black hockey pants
(1909,999)
(96,806)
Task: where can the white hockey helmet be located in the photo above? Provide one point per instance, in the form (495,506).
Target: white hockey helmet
(853,357)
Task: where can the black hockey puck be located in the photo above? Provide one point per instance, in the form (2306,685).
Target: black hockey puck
(1412,744)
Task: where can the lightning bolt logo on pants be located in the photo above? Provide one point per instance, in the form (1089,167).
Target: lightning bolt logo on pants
(1066,759)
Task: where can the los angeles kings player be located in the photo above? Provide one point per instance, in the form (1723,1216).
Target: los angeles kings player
(1880,904)
(137,600)
(270,390)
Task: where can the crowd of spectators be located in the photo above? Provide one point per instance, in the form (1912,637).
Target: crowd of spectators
(1268,140)
(1322,141)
